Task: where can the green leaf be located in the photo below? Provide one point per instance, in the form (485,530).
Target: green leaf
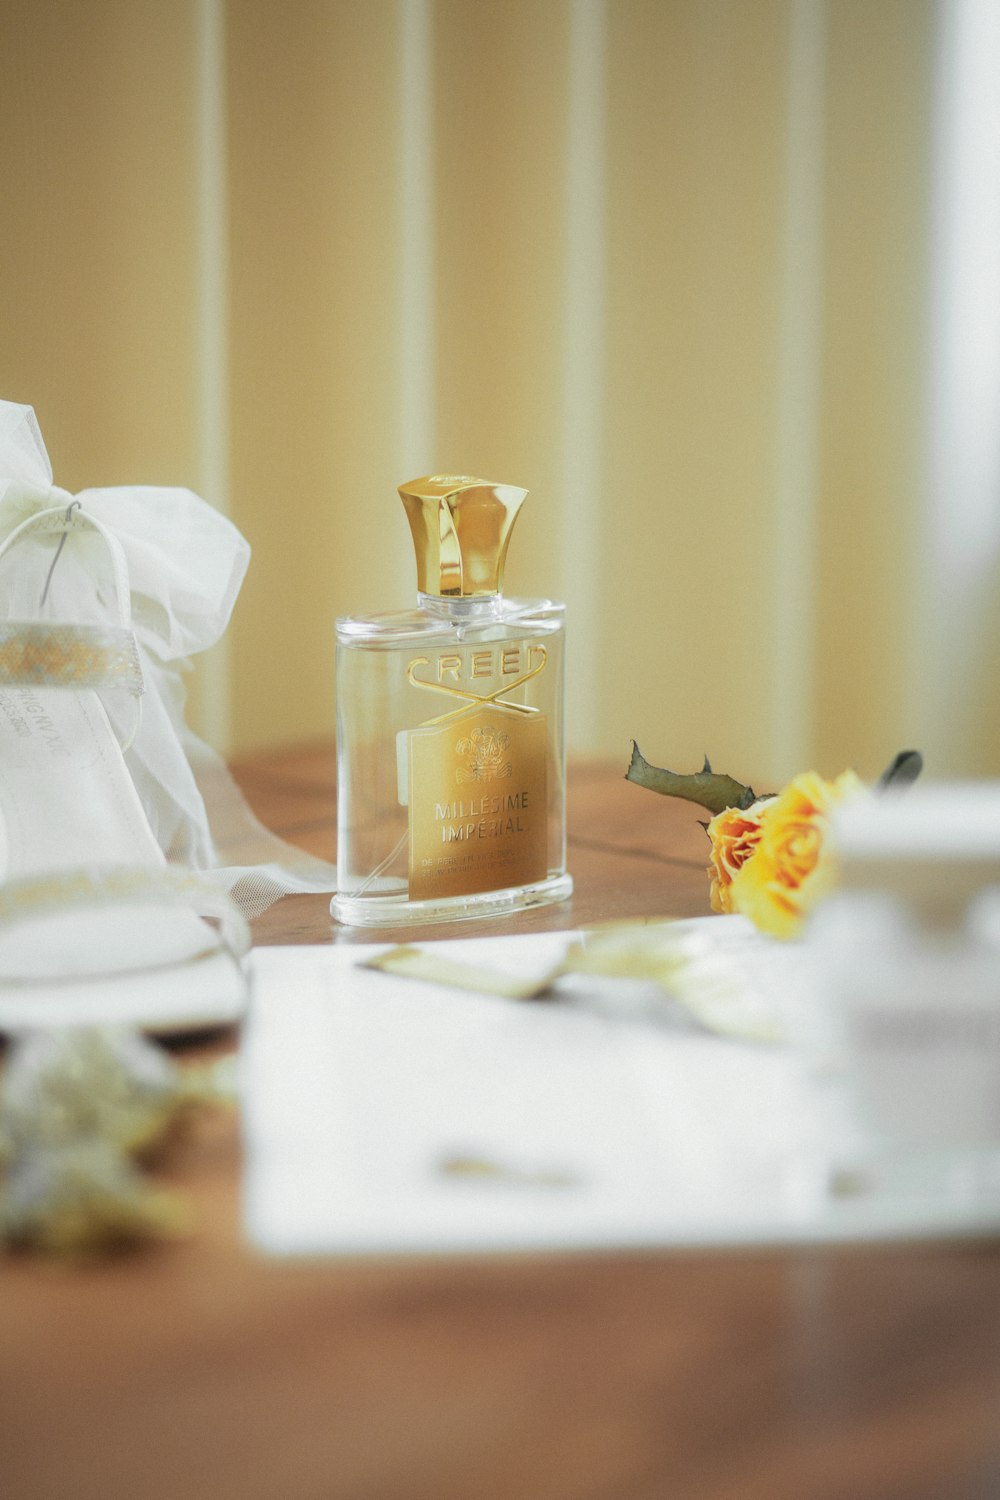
(903,771)
(706,787)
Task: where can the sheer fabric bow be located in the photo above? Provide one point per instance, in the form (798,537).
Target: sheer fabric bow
(186,563)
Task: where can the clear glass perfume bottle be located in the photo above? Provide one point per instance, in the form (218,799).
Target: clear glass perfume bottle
(451,764)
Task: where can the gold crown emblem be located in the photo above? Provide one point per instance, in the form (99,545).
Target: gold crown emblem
(484,751)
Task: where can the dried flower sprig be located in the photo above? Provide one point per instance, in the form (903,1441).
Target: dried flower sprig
(81,1112)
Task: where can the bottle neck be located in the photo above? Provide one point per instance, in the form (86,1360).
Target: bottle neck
(460,609)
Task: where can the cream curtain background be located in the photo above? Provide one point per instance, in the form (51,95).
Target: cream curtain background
(717,280)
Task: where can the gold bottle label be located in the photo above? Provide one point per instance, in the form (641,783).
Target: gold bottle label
(477,797)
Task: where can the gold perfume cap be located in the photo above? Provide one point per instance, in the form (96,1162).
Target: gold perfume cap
(461,528)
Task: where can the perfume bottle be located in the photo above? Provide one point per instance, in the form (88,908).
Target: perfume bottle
(451,765)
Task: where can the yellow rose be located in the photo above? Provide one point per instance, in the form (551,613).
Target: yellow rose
(790,868)
(734,833)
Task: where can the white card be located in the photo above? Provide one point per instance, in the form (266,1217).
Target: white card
(386,1114)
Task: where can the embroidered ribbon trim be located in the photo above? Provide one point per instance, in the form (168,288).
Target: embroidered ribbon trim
(35,654)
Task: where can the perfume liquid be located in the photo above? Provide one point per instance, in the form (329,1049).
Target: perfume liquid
(450,750)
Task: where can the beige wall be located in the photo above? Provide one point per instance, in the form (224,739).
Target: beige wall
(98,258)
(664,262)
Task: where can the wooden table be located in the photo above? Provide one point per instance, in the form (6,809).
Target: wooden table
(201,1369)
